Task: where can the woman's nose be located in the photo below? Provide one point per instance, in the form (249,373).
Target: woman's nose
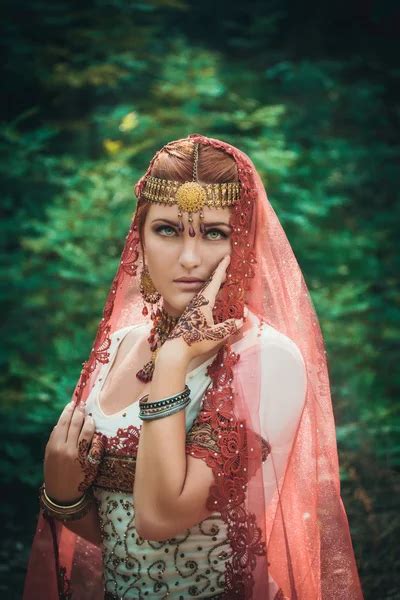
(190,255)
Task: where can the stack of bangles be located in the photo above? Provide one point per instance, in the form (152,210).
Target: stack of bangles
(164,407)
(65,512)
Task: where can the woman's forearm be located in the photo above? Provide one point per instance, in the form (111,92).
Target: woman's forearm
(161,458)
(87,527)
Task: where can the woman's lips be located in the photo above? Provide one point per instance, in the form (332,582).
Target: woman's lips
(189,285)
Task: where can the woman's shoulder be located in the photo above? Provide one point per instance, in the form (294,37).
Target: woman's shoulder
(268,338)
(137,329)
(283,379)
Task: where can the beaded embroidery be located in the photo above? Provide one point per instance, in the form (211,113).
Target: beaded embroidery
(130,564)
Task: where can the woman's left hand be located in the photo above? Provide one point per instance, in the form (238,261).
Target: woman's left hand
(196,333)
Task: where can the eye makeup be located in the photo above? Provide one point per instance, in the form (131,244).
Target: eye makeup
(208,229)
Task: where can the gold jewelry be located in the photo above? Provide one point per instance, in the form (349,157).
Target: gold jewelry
(147,288)
(65,512)
(191,196)
(163,324)
(94,460)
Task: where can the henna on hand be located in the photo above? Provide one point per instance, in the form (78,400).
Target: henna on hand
(193,325)
(89,458)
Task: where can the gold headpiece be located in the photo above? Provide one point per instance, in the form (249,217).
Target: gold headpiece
(191,196)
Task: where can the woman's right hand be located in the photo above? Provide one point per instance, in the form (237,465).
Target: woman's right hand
(72,456)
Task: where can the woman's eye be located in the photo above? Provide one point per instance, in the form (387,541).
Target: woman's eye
(219,234)
(166,227)
(211,234)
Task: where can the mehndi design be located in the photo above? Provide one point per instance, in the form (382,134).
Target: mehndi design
(193,325)
(89,459)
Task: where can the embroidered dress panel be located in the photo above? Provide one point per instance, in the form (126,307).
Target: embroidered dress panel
(190,565)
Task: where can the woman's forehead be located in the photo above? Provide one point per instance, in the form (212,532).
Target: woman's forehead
(160,211)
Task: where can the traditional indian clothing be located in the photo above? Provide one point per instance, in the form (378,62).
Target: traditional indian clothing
(260,416)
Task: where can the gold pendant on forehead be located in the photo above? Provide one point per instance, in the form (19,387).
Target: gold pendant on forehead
(191,197)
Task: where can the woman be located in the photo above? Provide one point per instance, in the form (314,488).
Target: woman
(198,454)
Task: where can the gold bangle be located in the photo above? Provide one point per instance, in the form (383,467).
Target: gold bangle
(71,512)
(62,506)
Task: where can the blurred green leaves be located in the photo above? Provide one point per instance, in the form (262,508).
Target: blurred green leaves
(93,91)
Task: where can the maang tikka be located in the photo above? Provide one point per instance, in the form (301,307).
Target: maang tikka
(191,196)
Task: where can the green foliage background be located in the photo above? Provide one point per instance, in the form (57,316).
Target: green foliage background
(91,90)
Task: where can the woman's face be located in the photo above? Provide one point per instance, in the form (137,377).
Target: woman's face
(171,255)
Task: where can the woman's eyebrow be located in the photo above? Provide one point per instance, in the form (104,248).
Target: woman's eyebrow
(175,224)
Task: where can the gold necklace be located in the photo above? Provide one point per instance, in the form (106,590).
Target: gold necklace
(163,324)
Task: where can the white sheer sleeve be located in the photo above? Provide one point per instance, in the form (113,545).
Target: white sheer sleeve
(282,397)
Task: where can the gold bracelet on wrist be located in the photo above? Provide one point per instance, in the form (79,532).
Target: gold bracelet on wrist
(69,512)
(61,506)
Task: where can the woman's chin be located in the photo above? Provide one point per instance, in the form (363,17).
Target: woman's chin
(179,304)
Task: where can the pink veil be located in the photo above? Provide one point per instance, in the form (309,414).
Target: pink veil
(287,527)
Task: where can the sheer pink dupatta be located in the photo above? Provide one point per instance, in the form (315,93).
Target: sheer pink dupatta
(287,527)
(309,548)
(289,533)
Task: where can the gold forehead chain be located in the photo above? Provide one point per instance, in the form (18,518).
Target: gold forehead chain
(191,196)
